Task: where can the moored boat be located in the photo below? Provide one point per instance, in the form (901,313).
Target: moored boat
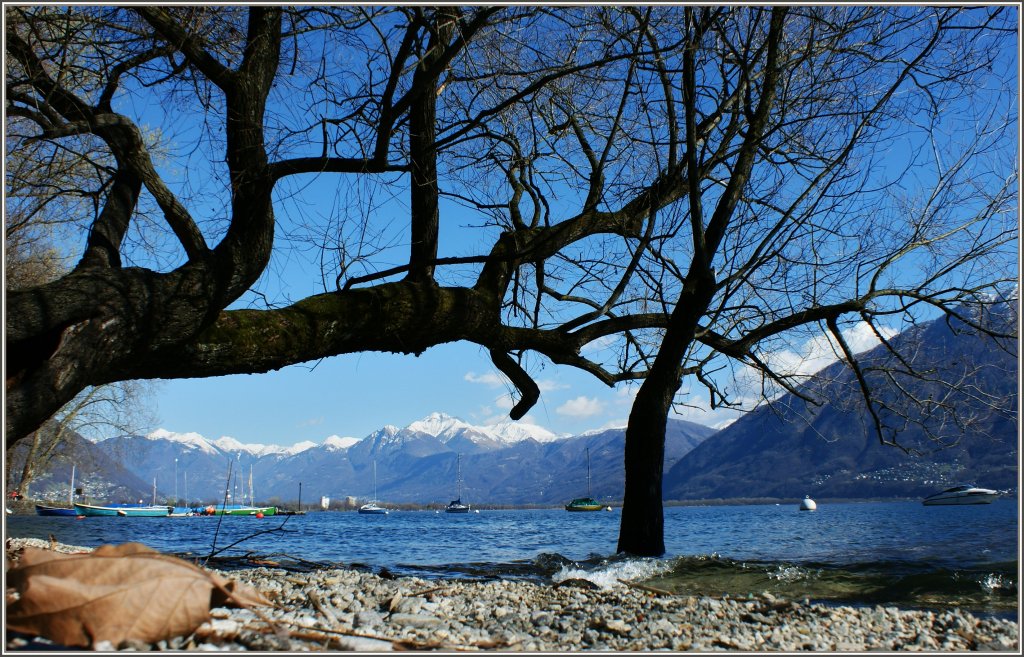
(587,503)
(44,510)
(584,504)
(240,510)
(144,511)
(962,494)
(372,508)
(122,510)
(456,505)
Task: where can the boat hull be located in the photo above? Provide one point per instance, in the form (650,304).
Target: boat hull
(583,504)
(145,512)
(241,510)
(961,500)
(457,509)
(43,510)
(372,510)
(91,510)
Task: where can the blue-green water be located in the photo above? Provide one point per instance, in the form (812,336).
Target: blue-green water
(889,553)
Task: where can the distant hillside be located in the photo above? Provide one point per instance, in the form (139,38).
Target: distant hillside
(501,464)
(784,451)
(791,449)
(99,471)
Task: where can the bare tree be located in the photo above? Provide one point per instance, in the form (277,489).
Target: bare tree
(690,188)
(100,411)
(794,227)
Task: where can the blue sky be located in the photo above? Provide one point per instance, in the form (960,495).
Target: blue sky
(356,394)
(353,395)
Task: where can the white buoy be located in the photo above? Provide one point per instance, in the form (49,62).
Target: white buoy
(608,508)
(807,504)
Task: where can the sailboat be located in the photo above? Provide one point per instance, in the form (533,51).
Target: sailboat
(371,508)
(44,510)
(456,505)
(587,503)
(152,510)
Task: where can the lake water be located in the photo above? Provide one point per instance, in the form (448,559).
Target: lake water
(868,553)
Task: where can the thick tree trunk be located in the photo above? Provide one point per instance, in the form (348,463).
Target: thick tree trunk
(641,531)
(642,528)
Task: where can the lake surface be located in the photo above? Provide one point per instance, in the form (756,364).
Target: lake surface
(868,553)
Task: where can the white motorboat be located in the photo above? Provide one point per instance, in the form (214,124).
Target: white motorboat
(962,494)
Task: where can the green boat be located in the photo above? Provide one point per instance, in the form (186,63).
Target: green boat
(587,503)
(584,504)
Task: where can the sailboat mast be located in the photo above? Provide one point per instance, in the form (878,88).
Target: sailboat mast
(71,493)
(458,477)
(252,499)
(588,472)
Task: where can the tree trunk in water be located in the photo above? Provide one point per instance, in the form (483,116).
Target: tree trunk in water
(642,528)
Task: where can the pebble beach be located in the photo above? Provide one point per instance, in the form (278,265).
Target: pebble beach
(342,609)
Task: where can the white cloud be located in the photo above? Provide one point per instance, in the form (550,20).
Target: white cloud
(505,402)
(822,350)
(626,394)
(490,379)
(600,343)
(495,380)
(547,385)
(312,422)
(699,412)
(581,407)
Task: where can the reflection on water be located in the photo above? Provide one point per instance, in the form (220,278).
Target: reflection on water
(899,553)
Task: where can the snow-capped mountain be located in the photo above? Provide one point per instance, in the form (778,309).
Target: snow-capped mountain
(337,442)
(190,440)
(508,463)
(440,425)
(445,429)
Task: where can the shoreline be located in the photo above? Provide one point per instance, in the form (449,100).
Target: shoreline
(345,609)
(27,507)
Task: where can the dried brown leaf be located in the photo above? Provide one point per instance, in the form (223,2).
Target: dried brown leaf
(116,593)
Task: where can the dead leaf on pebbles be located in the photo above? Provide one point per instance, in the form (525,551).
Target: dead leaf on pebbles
(116,593)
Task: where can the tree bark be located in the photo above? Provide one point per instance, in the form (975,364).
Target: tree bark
(641,530)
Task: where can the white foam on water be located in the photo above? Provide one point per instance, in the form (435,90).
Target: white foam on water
(788,574)
(608,576)
(994,581)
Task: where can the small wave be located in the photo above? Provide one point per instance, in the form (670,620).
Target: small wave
(997,583)
(789,573)
(607,575)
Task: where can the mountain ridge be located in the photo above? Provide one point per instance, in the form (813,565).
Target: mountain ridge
(791,448)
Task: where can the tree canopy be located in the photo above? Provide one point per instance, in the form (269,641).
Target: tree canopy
(702,186)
